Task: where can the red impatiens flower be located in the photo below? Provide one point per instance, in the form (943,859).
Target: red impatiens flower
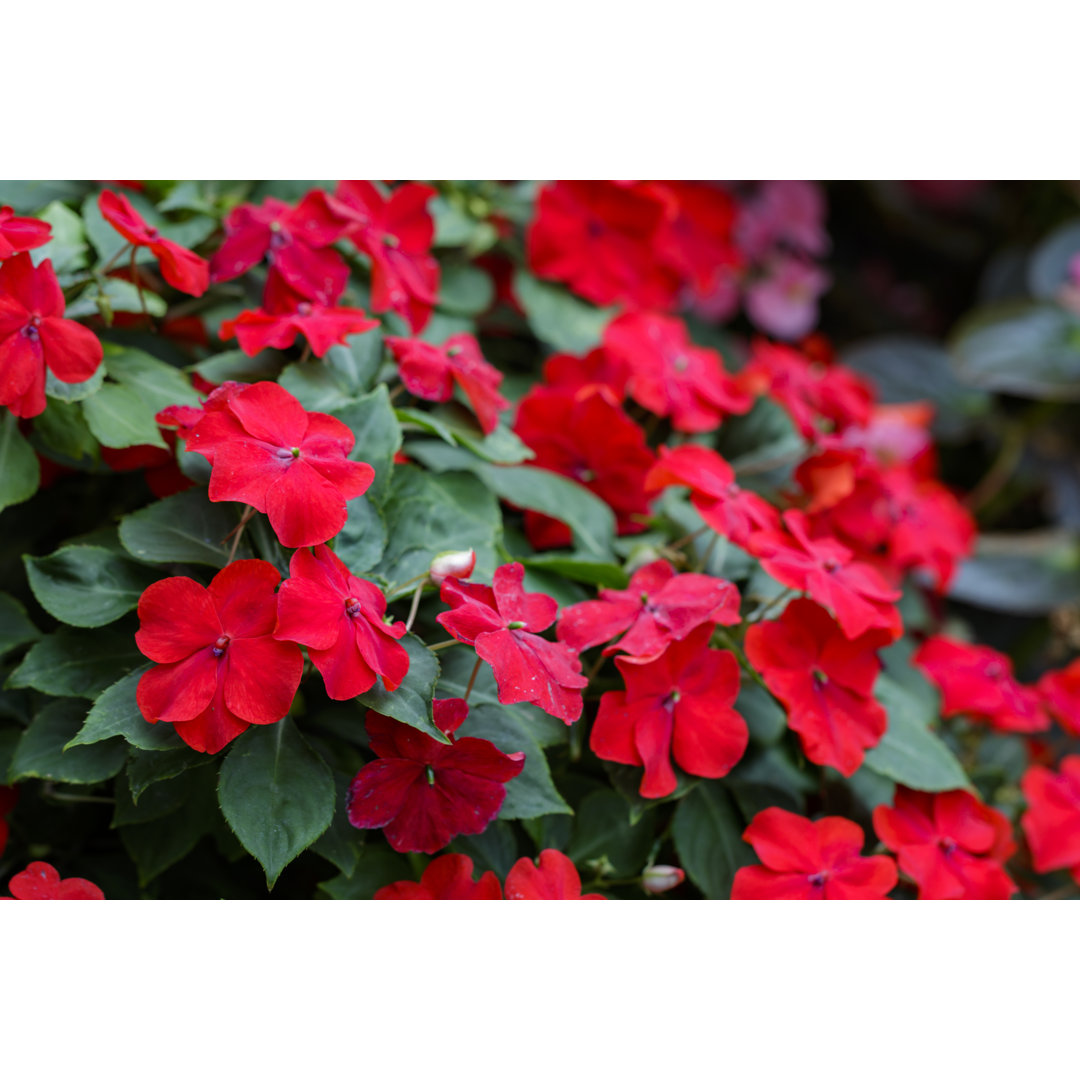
(556,878)
(1052,820)
(9,796)
(34,333)
(421,792)
(396,234)
(182,269)
(978,682)
(40,881)
(597,368)
(339,618)
(219,668)
(949,843)
(825,680)
(269,452)
(503,623)
(678,705)
(658,607)
(1060,693)
(430,372)
(21,233)
(449,877)
(811,860)
(671,376)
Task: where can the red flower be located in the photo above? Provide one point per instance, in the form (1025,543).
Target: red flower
(396,234)
(503,623)
(678,705)
(977,681)
(810,860)
(21,233)
(430,372)
(669,375)
(34,333)
(422,793)
(449,877)
(825,680)
(597,368)
(163,475)
(182,269)
(219,667)
(269,452)
(40,881)
(1052,820)
(340,619)
(949,843)
(657,608)
(1060,693)
(556,878)
(9,796)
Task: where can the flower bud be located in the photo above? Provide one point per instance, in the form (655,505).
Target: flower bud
(659,879)
(459,564)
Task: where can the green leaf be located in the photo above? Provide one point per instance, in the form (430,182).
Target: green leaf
(115,712)
(149,767)
(375,869)
(69,392)
(157,384)
(501,447)
(626,780)
(19,470)
(708,839)
(464,289)
(67,248)
(362,541)
(62,429)
(76,663)
(494,849)
(558,318)
(378,437)
(87,586)
(342,843)
(762,713)
(41,752)
(15,626)
(411,701)
(277,794)
(602,830)
(119,417)
(237,366)
(114,294)
(1048,268)
(29,196)
(338,379)
(606,574)
(182,528)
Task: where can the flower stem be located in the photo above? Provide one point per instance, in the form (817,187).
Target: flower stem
(238,532)
(472,677)
(415,606)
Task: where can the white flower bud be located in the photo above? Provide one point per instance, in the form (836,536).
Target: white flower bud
(459,564)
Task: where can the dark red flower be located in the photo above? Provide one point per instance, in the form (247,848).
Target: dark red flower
(219,668)
(421,792)
(182,269)
(658,607)
(431,371)
(21,233)
(556,878)
(678,705)
(811,860)
(163,475)
(1060,693)
(40,881)
(949,843)
(292,465)
(449,877)
(339,618)
(1051,822)
(34,334)
(503,623)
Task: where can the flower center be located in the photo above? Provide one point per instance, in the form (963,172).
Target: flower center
(831,564)
(30,331)
(454,350)
(390,240)
(352,607)
(430,775)
(680,363)
(303,309)
(818,880)
(220,646)
(672,699)
(994,670)
(947,844)
(820,676)
(517,624)
(152,232)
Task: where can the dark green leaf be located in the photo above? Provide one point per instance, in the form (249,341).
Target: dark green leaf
(464,289)
(182,528)
(361,543)
(29,196)
(411,701)
(77,663)
(494,849)
(62,429)
(339,378)
(149,767)
(67,248)
(115,712)
(603,831)
(15,626)
(234,365)
(376,869)
(558,318)
(378,437)
(1048,269)
(19,470)
(64,391)
(708,838)
(118,417)
(762,713)
(156,383)
(606,574)
(342,844)
(41,752)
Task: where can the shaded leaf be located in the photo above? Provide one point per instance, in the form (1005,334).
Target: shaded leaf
(41,752)
(708,838)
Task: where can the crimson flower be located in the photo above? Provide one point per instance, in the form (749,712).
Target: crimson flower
(825,680)
(431,371)
(449,877)
(949,843)
(556,878)
(182,269)
(678,705)
(8,797)
(597,368)
(219,668)
(1051,822)
(1060,693)
(421,792)
(40,881)
(503,623)
(658,607)
(340,618)
(269,452)
(810,860)
(34,334)
(21,233)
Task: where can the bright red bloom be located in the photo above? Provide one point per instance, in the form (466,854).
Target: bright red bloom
(503,623)
(556,878)
(1051,822)
(597,368)
(9,796)
(21,233)
(825,680)
(34,333)
(810,860)
(678,705)
(978,682)
(182,269)
(421,792)
(561,428)
(396,234)
(269,452)
(431,371)
(658,607)
(671,376)
(219,668)
(1060,693)
(296,240)
(449,877)
(722,504)
(339,618)
(949,843)
(40,881)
